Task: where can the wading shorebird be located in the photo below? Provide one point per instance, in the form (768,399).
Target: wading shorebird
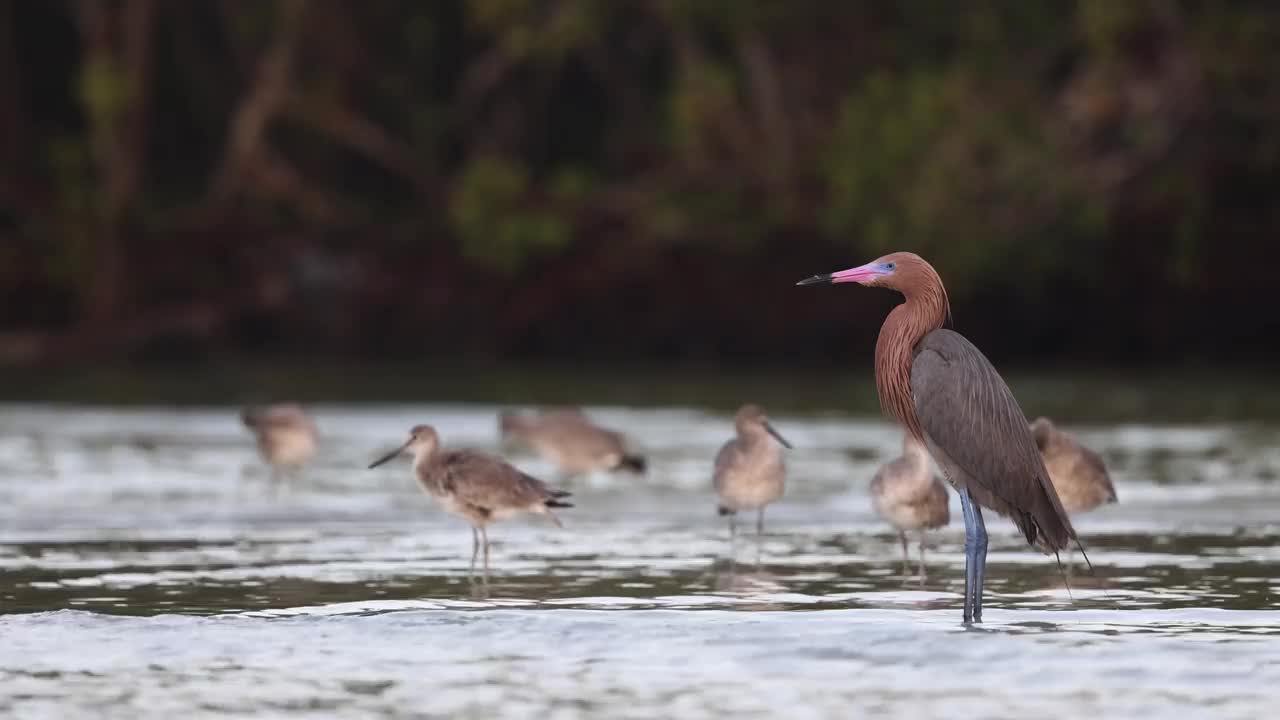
(569,440)
(947,395)
(750,472)
(477,487)
(907,494)
(286,436)
(1079,476)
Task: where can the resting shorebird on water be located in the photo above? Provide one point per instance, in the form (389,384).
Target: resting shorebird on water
(286,436)
(477,487)
(1078,473)
(906,493)
(567,438)
(749,471)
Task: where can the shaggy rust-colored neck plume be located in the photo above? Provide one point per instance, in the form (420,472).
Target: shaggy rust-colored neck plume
(924,311)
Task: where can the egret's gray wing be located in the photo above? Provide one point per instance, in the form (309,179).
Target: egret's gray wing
(489,483)
(978,435)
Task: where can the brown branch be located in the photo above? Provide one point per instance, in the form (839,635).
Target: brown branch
(116,42)
(479,80)
(770,106)
(722,130)
(275,176)
(271,88)
(198,319)
(348,127)
(131,146)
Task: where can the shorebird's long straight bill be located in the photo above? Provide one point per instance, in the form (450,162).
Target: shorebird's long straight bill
(388,456)
(777,435)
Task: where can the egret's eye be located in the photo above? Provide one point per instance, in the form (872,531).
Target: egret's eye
(890,266)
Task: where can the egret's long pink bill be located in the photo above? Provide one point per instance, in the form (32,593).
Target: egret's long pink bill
(388,456)
(860,274)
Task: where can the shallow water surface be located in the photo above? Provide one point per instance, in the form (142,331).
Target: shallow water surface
(151,568)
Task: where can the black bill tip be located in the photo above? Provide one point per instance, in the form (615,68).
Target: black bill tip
(386,458)
(777,435)
(816,280)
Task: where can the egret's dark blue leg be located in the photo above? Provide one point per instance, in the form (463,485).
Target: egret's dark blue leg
(981,555)
(966,509)
(975,557)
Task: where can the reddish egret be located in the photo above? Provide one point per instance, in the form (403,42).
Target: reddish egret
(569,440)
(477,487)
(749,472)
(905,492)
(1078,473)
(286,436)
(946,394)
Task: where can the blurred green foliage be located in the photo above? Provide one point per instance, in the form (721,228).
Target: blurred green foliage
(1022,145)
(493,224)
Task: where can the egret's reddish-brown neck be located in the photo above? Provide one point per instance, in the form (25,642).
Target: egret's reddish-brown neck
(924,311)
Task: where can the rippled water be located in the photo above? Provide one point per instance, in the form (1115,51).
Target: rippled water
(149,569)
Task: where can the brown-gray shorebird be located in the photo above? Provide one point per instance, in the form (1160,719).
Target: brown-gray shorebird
(477,487)
(947,395)
(907,494)
(567,438)
(286,436)
(1078,473)
(750,472)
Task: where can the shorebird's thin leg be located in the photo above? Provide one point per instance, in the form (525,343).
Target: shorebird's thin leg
(906,567)
(760,522)
(733,527)
(475,549)
(922,573)
(484,536)
(975,557)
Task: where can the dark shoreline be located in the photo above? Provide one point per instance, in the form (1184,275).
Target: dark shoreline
(1071,395)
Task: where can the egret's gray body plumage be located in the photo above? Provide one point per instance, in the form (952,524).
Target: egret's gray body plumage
(959,396)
